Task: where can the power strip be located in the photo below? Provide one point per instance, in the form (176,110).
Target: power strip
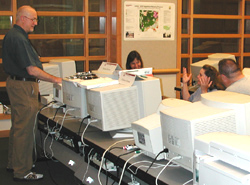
(69,142)
(109,166)
(134,183)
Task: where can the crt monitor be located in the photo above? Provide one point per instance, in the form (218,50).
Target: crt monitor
(214,171)
(180,125)
(46,88)
(147,135)
(74,98)
(67,67)
(56,67)
(246,71)
(231,100)
(228,147)
(74,93)
(149,95)
(114,107)
(147,131)
(212,60)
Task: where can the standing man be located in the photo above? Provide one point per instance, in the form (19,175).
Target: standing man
(22,64)
(233,78)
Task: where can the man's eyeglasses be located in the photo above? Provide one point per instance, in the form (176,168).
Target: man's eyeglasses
(34,20)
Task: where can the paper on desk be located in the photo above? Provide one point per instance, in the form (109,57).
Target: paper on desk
(126,79)
(108,68)
(94,83)
(139,72)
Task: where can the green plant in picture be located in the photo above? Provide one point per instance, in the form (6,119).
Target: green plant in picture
(166,28)
(148,19)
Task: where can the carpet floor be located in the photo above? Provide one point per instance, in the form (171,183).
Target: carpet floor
(55,173)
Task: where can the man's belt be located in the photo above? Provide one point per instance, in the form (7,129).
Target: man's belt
(24,79)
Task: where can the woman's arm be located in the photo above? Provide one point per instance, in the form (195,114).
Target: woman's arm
(185,80)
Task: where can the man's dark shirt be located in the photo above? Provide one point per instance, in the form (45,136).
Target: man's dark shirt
(18,53)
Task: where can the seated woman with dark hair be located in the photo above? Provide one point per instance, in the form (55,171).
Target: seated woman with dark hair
(208,80)
(134,60)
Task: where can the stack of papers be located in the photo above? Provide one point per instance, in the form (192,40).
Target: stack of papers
(93,83)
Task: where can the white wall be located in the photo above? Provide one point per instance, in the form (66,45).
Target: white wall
(168,83)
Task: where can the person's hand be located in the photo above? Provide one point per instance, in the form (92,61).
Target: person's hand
(58,80)
(205,83)
(185,77)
